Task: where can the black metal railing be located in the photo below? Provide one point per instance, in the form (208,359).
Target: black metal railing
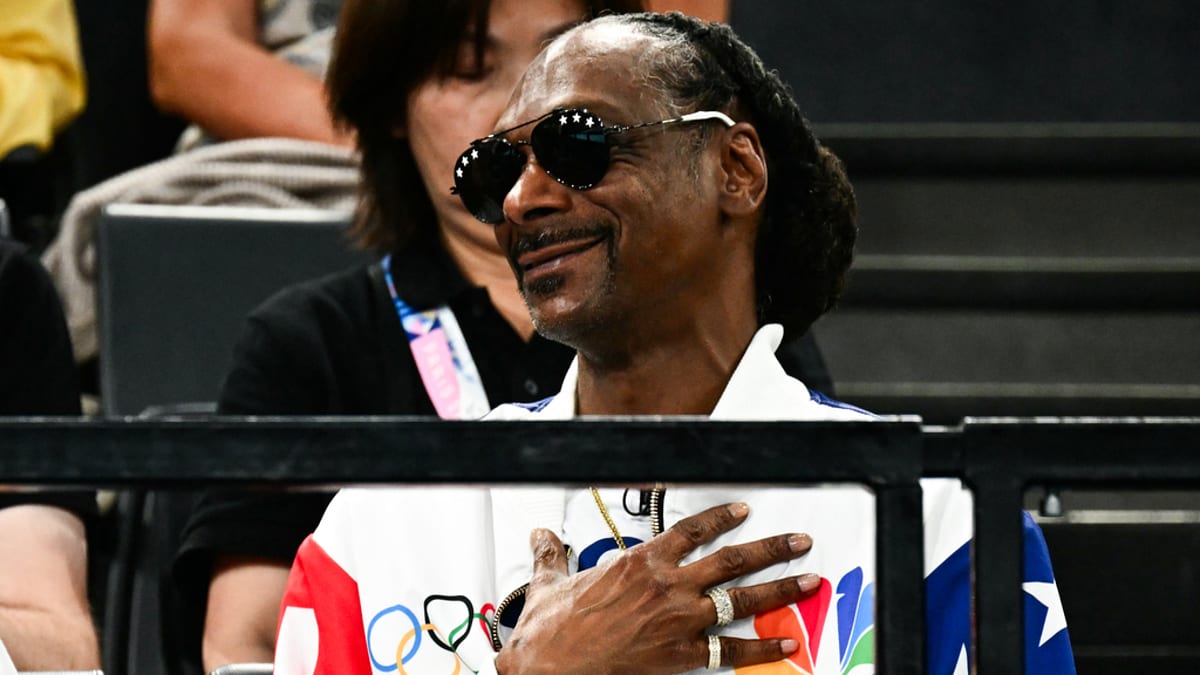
(997,458)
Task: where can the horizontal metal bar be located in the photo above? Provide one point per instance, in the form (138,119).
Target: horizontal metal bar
(1024,264)
(1026,148)
(947,408)
(1024,390)
(917,131)
(246,213)
(135,452)
(1123,517)
(238,450)
(1143,452)
(941,450)
(1006,285)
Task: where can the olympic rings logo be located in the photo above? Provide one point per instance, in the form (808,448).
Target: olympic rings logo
(420,628)
(410,642)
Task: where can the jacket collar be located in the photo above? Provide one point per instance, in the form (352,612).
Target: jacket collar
(759,388)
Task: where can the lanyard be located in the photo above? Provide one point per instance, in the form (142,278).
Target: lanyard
(443,359)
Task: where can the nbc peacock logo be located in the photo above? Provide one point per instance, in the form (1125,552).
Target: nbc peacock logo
(805,622)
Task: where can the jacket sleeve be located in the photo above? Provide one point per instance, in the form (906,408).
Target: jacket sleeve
(321,632)
(1047,643)
(949,648)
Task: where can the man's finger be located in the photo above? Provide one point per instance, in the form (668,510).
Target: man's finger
(731,562)
(685,536)
(549,556)
(751,600)
(738,653)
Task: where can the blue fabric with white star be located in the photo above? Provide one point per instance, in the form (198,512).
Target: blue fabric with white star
(948,611)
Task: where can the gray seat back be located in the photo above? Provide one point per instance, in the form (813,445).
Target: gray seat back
(176,283)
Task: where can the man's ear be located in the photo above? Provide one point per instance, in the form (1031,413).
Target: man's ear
(744,171)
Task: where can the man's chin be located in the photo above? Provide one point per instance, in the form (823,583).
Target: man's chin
(541,289)
(555,318)
(568,306)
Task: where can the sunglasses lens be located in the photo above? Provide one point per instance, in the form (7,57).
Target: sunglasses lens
(569,144)
(572,147)
(483,177)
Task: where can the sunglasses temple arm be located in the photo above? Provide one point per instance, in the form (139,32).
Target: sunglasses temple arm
(702,115)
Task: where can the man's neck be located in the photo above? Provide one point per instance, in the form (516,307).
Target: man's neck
(482,264)
(667,377)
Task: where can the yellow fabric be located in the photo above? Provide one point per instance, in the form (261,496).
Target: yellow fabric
(41,72)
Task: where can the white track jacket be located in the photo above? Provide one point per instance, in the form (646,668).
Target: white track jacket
(424,580)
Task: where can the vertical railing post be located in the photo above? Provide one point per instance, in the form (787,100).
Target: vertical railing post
(994,475)
(900,593)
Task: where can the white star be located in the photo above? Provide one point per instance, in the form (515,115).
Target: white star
(466,160)
(474,154)
(575,118)
(590,122)
(562,120)
(458,172)
(1047,594)
(961,667)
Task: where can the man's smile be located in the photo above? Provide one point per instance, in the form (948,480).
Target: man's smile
(541,260)
(551,255)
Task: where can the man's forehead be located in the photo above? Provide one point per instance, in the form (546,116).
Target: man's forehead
(598,39)
(588,67)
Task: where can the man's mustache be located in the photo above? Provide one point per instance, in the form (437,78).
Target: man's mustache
(549,237)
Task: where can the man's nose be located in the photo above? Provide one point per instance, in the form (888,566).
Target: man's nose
(535,195)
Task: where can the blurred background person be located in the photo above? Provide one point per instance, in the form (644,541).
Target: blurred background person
(251,68)
(244,68)
(247,76)
(42,90)
(45,621)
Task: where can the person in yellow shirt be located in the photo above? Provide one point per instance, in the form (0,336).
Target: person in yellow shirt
(41,73)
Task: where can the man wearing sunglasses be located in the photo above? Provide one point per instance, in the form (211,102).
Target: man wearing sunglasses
(667,213)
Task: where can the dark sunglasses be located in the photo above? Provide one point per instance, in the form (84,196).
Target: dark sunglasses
(571,146)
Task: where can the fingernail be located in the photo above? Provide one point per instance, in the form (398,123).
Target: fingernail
(799,542)
(808,582)
(788,645)
(739,509)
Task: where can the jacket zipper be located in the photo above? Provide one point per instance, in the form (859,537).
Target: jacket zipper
(656,511)
(495,627)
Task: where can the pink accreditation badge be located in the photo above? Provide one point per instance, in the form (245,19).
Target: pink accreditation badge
(443,359)
(436,365)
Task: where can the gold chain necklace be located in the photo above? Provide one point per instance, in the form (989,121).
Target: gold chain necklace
(616,534)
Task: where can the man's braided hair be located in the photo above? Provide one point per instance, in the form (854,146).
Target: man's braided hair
(806,237)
